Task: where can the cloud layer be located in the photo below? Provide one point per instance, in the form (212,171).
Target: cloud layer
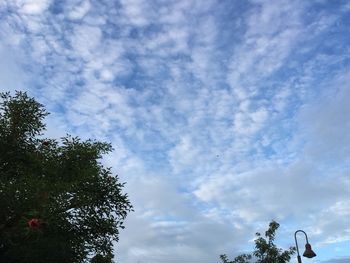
(224,115)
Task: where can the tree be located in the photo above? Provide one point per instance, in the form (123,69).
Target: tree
(265,249)
(58,203)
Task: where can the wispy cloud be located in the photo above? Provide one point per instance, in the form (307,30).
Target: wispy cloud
(223,115)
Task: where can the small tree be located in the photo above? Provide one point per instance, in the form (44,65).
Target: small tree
(265,249)
(58,203)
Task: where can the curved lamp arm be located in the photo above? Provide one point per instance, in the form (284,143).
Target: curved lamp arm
(296,241)
(308,250)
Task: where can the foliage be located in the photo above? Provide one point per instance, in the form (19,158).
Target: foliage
(265,249)
(239,259)
(58,203)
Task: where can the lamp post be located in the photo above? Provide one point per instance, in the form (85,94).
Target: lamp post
(308,250)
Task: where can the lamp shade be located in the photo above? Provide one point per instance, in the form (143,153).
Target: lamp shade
(308,251)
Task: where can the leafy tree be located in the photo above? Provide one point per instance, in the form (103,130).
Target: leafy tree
(58,203)
(265,249)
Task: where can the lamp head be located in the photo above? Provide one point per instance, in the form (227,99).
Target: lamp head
(308,251)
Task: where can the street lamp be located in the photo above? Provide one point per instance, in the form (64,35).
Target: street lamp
(308,250)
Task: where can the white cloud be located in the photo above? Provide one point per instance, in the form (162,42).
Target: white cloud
(326,123)
(80,10)
(85,40)
(32,7)
(136,12)
(12,77)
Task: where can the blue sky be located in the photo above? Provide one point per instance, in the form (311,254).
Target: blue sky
(223,114)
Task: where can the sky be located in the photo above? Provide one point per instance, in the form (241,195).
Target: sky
(224,114)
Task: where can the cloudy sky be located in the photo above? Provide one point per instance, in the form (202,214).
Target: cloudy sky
(223,114)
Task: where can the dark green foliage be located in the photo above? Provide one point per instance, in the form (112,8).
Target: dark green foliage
(265,249)
(79,205)
(239,259)
(102,259)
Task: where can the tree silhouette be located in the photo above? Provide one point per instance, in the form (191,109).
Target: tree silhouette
(58,203)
